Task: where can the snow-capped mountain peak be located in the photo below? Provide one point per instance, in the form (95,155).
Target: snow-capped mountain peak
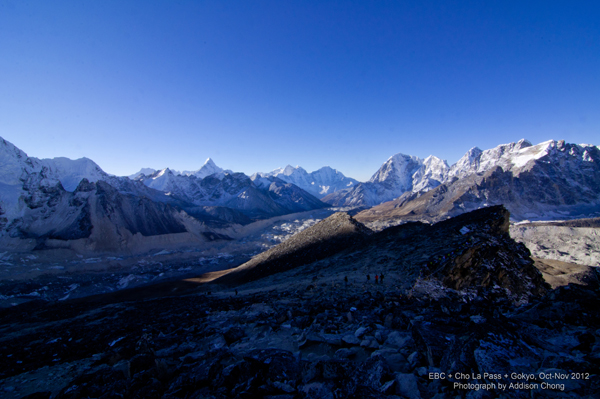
(467,163)
(510,157)
(209,168)
(319,183)
(290,170)
(430,175)
(398,171)
(71,171)
(15,164)
(143,171)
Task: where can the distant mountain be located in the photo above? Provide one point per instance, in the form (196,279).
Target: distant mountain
(551,180)
(319,183)
(399,174)
(143,171)
(209,168)
(64,204)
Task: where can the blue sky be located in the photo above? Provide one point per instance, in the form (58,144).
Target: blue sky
(257,85)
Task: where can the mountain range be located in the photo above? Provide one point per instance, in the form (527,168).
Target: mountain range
(61,203)
(62,199)
(207,169)
(550,180)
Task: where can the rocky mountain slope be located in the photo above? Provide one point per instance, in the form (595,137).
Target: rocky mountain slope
(475,244)
(320,241)
(575,241)
(565,251)
(319,183)
(551,180)
(107,213)
(310,332)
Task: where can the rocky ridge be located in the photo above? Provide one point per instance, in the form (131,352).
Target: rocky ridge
(329,236)
(473,249)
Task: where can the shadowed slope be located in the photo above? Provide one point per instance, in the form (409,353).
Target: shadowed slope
(337,232)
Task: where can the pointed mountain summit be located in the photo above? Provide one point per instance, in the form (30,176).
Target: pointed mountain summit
(397,172)
(209,168)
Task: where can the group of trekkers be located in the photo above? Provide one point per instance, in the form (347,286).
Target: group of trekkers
(378,278)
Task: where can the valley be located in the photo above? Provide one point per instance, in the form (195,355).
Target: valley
(57,275)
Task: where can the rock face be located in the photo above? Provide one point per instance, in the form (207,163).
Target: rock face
(490,260)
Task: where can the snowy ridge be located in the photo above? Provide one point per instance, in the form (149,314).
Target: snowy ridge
(208,168)
(258,197)
(432,173)
(548,181)
(63,199)
(20,173)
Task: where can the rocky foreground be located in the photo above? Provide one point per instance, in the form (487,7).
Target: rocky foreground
(460,312)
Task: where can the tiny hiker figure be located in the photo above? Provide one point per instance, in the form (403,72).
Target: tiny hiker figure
(376,279)
(368,277)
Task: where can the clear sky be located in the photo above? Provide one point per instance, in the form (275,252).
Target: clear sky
(257,85)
